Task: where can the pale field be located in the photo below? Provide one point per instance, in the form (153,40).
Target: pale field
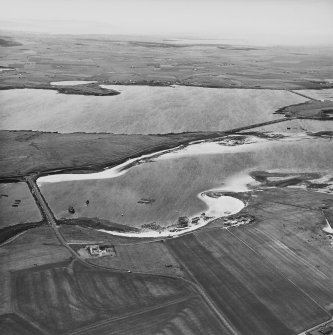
(147,257)
(27,210)
(142,109)
(35,247)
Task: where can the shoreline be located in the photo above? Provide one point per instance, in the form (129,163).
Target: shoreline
(82,89)
(216,206)
(193,137)
(107,92)
(175,231)
(116,170)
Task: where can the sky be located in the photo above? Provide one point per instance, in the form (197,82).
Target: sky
(256,21)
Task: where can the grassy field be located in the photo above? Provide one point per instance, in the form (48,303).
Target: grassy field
(17,205)
(142,109)
(40,59)
(147,257)
(70,295)
(35,247)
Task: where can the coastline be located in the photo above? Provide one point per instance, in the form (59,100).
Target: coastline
(48,86)
(177,231)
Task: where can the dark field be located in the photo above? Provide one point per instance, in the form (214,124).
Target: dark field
(70,295)
(27,152)
(12,324)
(321,110)
(185,318)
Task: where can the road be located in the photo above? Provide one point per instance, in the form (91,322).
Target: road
(47,213)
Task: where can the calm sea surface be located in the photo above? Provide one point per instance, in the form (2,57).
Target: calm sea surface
(141,109)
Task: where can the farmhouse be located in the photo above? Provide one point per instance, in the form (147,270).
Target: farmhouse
(98,251)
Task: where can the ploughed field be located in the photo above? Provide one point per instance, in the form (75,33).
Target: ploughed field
(142,109)
(69,296)
(187,317)
(161,189)
(240,281)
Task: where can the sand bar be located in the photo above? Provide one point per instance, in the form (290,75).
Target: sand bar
(71,82)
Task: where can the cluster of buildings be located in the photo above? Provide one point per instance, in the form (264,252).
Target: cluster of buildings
(101,250)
